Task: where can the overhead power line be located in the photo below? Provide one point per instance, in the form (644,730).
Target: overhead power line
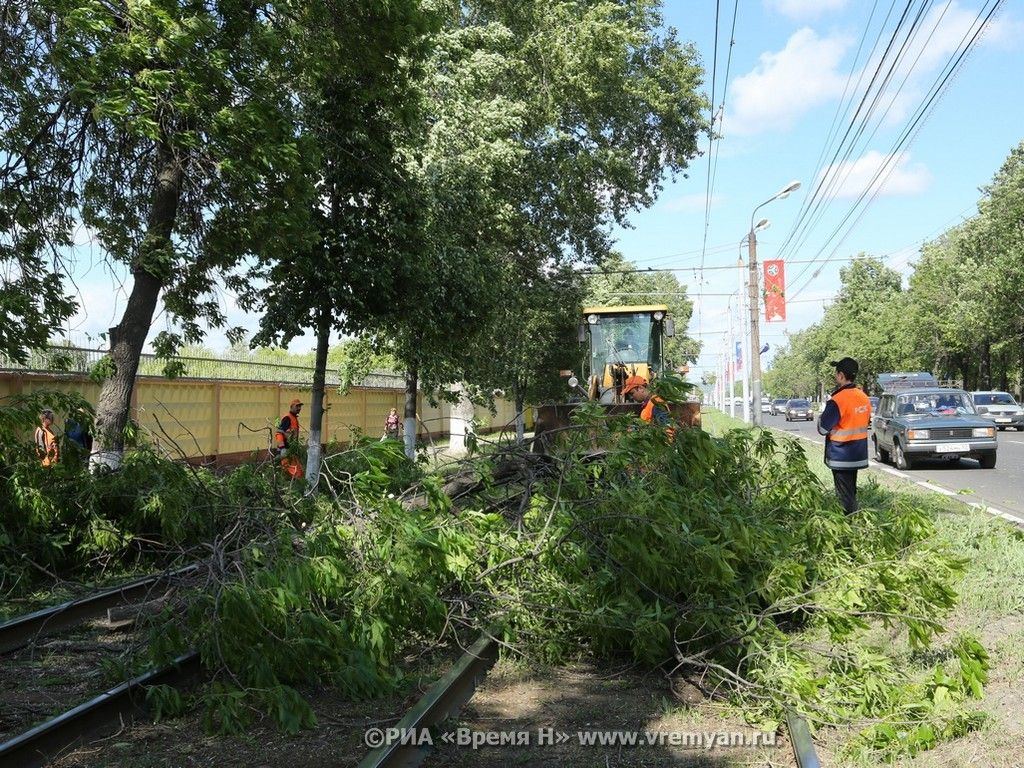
(916,123)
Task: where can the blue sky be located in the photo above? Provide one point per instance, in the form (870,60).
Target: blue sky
(791,62)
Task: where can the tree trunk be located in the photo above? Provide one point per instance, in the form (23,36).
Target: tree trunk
(316,410)
(986,365)
(411,383)
(128,337)
(461,428)
(1020,382)
(520,416)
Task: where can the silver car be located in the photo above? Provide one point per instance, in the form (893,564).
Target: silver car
(999,408)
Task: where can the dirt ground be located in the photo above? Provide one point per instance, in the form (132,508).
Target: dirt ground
(559,710)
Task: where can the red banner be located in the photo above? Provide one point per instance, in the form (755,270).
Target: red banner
(774,291)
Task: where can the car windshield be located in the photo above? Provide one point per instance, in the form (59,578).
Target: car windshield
(934,404)
(780,402)
(995,398)
(798,404)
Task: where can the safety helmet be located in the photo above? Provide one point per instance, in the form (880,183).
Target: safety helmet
(632,383)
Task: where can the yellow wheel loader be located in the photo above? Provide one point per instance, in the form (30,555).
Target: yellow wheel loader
(619,342)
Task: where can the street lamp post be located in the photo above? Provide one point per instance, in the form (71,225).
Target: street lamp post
(755,332)
(744,306)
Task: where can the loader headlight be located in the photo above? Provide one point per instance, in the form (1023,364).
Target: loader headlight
(592,319)
(658,315)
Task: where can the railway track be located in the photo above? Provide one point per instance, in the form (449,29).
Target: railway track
(407,748)
(442,702)
(38,744)
(22,631)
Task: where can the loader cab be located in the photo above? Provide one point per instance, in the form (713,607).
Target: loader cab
(621,342)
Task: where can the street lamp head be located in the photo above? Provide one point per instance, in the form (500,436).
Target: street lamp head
(762,225)
(793,186)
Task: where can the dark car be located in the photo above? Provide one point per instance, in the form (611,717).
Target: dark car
(779,406)
(916,423)
(799,409)
(1000,408)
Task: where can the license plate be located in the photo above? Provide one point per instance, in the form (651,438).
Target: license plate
(953,448)
(1003,421)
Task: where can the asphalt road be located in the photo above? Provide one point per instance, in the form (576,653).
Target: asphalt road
(1000,489)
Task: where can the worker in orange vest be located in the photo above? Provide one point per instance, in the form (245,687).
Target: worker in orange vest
(655,410)
(46,442)
(286,437)
(845,423)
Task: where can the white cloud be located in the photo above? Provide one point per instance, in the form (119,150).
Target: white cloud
(785,85)
(689,203)
(889,175)
(943,31)
(1004,32)
(803,9)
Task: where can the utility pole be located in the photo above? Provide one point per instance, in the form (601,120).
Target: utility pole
(747,416)
(755,304)
(755,332)
(730,352)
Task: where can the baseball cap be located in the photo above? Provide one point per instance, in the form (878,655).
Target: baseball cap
(296,401)
(847,365)
(632,383)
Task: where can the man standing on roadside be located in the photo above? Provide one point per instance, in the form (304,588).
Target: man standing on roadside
(845,422)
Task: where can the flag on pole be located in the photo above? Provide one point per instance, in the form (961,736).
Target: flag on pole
(739,356)
(774,291)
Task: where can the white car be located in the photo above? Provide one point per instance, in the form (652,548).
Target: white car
(999,408)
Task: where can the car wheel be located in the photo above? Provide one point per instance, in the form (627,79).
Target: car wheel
(988,460)
(881,456)
(899,457)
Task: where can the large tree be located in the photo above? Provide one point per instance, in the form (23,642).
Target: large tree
(358,105)
(549,123)
(165,128)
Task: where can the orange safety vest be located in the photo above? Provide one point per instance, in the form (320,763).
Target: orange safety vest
(647,414)
(854,416)
(281,437)
(846,445)
(47,447)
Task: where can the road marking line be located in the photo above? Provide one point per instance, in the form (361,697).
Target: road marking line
(936,488)
(1018,442)
(884,468)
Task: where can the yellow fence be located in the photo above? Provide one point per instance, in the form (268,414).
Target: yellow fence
(230,419)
